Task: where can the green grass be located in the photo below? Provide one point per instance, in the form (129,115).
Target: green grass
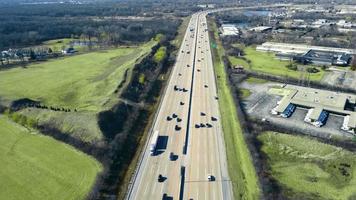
(314,169)
(245,93)
(59,44)
(85,82)
(254,80)
(241,170)
(238,61)
(267,63)
(36,167)
(160,54)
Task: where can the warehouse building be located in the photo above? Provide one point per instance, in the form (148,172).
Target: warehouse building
(320,57)
(319,104)
(309,54)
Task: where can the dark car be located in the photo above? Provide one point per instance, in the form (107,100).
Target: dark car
(185,90)
(179,74)
(169,118)
(174,115)
(188,65)
(177,128)
(214,119)
(202,114)
(209,125)
(175,87)
(160,178)
(198,70)
(202,125)
(197,126)
(205,86)
(171,156)
(181,103)
(179,119)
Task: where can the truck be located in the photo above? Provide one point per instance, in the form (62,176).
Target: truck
(154,141)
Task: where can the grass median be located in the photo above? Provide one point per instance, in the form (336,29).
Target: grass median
(241,170)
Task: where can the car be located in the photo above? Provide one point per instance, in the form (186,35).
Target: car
(160,178)
(197,126)
(175,88)
(188,65)
(171,156)
(202,125)
(214,119)
(205,86)
(198,70)
(182,51)
(179,74)
(217,98)
(211,177)
(179,119)
(181,103)
(202,114)
(180,89)
(174,115)
(185,90)
(177,128)
(169,118)
(198,60)
(209,125)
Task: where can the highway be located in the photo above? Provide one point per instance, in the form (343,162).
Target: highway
(197,142)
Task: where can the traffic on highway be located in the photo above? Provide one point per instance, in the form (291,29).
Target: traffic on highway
(185,155)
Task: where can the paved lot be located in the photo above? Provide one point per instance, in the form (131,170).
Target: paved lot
(343,78)
(259,105)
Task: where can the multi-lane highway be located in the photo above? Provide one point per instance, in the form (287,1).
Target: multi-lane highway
(188,122)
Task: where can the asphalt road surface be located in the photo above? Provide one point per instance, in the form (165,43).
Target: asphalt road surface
(198,145)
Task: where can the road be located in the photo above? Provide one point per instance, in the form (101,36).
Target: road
(199,150)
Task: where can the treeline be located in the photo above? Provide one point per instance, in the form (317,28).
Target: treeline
(30,25)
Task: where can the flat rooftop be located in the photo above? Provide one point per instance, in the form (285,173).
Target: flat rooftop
(319,100)
(298,48)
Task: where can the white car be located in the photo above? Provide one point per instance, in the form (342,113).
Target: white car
(211,177)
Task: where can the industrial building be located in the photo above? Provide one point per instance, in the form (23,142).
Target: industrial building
(229,29)
(319,104)
(309,54)
(319,57)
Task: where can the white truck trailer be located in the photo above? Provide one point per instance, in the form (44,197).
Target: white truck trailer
(153,143)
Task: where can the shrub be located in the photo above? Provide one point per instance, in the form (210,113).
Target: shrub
(312,70)
(292,66)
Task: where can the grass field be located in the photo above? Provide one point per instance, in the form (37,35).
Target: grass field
(84,82)
(36,167)
(267,63)
(254,80)
(245,93)
(58,44)
(241,169)
(312,169)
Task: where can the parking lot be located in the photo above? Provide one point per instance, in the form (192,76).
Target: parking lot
(340,77)
(260,103)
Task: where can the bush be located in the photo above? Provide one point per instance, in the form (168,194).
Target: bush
(292,66)
(312,70)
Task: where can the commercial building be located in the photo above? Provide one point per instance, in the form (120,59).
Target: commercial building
(261,29)
(229,29)
(319,104)
(309,54)
(319,57)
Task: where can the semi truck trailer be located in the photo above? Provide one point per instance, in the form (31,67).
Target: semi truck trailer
(153,144)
